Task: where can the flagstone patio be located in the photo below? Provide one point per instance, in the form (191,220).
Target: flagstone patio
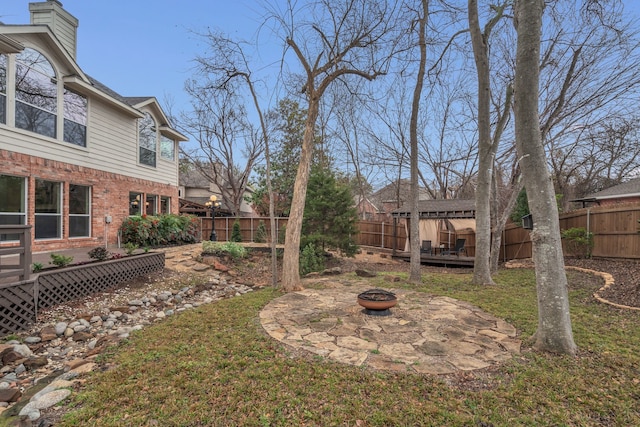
(425,333)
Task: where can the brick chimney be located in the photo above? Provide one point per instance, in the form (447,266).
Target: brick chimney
(62,23)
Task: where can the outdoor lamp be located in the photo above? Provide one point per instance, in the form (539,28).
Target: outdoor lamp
(213,203)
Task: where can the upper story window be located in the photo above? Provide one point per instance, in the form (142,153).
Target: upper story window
(3,88)
(147,140)
(167,148)
(36,93)
(75,118)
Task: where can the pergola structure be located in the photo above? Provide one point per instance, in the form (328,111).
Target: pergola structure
(456,214)
(440,209)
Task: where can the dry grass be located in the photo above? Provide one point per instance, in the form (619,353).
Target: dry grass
(214,366)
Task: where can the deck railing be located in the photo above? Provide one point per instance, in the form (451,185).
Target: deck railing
(9,268)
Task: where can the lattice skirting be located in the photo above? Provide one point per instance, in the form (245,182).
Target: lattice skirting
(19,303)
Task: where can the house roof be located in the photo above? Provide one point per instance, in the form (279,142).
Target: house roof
(440,208)
(76,79)
(193,178)
(629,188)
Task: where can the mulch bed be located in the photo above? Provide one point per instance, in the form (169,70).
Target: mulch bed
(626,273)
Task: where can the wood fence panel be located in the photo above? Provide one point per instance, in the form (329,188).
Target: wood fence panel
(615,232)
(516,243)
(380,234)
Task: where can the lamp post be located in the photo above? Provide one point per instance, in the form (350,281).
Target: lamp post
(213,203)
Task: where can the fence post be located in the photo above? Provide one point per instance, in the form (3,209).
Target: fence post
(382,242)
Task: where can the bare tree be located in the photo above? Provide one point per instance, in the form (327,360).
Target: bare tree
(343,37)
(225,64)
(422,17)
(487,147)
(554,333)
(218,123)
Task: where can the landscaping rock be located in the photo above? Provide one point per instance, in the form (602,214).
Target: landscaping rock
(365,273)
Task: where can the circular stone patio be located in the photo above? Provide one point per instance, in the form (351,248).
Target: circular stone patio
(425,333)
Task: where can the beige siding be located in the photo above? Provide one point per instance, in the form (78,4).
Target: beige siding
(111,147)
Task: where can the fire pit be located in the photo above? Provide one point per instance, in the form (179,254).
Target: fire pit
(377,302)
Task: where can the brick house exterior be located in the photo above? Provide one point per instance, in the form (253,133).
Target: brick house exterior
(77,158)
(622,194)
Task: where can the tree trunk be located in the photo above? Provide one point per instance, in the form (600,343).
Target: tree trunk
(414,238)
(481,267)
(554,332)
(291,258)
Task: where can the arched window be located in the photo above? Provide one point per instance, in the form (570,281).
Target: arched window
(147,139)
(36,93)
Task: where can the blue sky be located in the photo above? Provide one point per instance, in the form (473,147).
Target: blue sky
(146,47)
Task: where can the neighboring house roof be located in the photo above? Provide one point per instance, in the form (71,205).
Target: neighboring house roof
(440,208)
(627,189)
(359,200)
(193,178)
(401,190)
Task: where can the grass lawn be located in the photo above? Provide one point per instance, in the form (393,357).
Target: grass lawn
(214,366)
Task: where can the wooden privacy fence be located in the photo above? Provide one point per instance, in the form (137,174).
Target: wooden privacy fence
(614,228)
(370,233)
(615,232)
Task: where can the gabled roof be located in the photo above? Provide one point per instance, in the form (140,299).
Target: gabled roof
(440,208)
(152,102)
(8,45)
(630,188)
(46,35)
(77,79)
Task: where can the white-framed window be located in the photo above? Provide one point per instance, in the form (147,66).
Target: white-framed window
(135,203)
(13,206)
(48,215)
(3,88)
(151,205)
(167,148)
(147,140)
(75,118)
(36,93)
(79,210)
(165,205)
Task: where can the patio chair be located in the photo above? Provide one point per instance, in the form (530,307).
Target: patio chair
(426,248)
(459,247)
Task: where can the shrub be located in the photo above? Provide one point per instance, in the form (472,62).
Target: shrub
(236,235)
(37,267)
(100,253)
(235,250)
(261,233)
(159,230)
(60,260)
(130,248)
(311,259)
(578,242)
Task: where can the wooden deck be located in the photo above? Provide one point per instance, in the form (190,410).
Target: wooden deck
(438,260)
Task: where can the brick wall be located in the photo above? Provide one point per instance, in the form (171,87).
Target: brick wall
(109,196)
(620,201)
